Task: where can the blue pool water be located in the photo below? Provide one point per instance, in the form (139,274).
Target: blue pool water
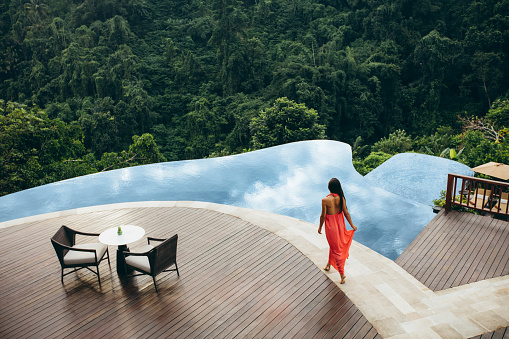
(415,176)
(289,179)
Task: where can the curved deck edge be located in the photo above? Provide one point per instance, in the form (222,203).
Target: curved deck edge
(392,300)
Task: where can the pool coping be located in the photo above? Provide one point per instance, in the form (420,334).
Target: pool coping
(392,300)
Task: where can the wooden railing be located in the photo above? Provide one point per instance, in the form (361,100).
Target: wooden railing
(479,194)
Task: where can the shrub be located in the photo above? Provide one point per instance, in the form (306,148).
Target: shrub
(372,161)
(397,142)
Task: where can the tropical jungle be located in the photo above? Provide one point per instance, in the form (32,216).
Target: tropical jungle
(94,85)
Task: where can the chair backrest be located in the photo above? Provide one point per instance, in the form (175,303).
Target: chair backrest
(482,195)
(481,192)
(62,238)
(165,255)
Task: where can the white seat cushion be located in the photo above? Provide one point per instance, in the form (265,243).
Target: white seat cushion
(78,257)
(140,262)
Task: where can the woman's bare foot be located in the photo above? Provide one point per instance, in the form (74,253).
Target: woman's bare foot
(327,267)
(343,278)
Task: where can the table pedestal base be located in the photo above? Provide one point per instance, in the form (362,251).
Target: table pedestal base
(121,267)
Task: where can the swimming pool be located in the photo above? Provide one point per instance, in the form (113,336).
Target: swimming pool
(289,179)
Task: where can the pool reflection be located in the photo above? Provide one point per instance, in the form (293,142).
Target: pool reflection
(290,179)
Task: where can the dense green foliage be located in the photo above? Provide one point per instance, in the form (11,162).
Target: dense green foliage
(482,140)
(200,76)
(36,150)
(397,142)
(372,161)
(194,73)
(285,122)
(441,203)
(33,149)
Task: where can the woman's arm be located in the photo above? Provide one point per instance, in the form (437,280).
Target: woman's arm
(347,215)
(322,216)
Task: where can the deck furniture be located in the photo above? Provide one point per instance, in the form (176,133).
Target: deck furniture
(480,198)
(152,260)
(501,205)
(130,233)
(476,193)
(78,256)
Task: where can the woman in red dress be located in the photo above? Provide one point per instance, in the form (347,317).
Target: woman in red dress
(339,238)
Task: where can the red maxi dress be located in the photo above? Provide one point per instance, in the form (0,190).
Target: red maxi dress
(339,239)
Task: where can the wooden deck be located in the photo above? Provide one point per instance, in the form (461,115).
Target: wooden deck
(501,333)
(236,279)
(458,248)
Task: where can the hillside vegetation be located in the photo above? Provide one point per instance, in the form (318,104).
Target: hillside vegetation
(126,82)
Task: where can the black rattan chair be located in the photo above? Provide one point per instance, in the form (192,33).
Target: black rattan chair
(152,260)
(78,256)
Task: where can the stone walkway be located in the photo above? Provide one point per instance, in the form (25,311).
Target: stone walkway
(395,303)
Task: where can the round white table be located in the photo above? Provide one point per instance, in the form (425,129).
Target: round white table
(130,233)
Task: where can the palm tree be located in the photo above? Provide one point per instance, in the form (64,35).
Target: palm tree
(36,10)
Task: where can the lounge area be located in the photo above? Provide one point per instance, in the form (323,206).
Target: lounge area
(264,269)
(235,279)
(482,195)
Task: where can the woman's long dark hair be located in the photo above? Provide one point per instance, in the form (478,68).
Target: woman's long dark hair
(335,187)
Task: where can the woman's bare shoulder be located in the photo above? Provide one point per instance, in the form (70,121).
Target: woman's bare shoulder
(328,198)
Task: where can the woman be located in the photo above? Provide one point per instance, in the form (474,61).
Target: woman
(339,239)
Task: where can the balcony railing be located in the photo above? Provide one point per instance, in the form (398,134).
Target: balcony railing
(479,194)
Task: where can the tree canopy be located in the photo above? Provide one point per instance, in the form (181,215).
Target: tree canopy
(198,76)
(286,121)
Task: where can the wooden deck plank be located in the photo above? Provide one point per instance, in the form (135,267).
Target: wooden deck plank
(503,267)
(176,304)
(273,307)
(450,235)
(421,248)
(464,276)
(297,317)
(499,255)
(458,254)
(180,255)
(266,306)
(458,248)
(466,254)
(221,323)
(421,239)
(442,265)
(323,318)
(501,333)
(319,316)
(295,310)
(404,260)
(349,326)
(478,240)
(344,314)
(372,334)
(231,272)
(182,301)
(232,298)
(424,256)
(362,327)
(330,294)
(484,263)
